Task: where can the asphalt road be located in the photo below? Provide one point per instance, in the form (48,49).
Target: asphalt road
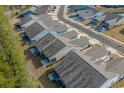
(105,40)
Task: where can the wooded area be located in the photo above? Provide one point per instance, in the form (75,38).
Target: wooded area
(13,72)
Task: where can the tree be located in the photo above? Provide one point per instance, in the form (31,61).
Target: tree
(13,72)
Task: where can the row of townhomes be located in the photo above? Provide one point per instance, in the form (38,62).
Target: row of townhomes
(78,60)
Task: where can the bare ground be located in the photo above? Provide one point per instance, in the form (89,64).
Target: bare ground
(119,84)
(85,22)
(110,10)
(38,71)
(117,33)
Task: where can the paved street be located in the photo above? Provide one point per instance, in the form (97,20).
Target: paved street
(99,37)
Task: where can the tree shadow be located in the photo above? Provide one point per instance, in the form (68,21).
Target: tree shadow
(35,60)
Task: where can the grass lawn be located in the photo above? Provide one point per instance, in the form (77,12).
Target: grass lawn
(119,84)
(117,33)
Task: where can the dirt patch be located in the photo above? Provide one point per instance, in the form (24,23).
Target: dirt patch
(119,84)
(68,14)
(85,22)
(122,31)
(117,33)
(35,60)
(37,70)
(45,80)
(110,10)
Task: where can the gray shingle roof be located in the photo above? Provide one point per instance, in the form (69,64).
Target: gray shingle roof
(53,48)
(100,18)
(97,14)
(111,19)
(116,66)
(33,30)
(76,73)
(79,7)
(110,16)
(70,34)
(43,42)
(86,13)
(43,18)
(37,10)
(26,19)
(76,7)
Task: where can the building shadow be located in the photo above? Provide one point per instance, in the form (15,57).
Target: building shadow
(35,60)
(45,80)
